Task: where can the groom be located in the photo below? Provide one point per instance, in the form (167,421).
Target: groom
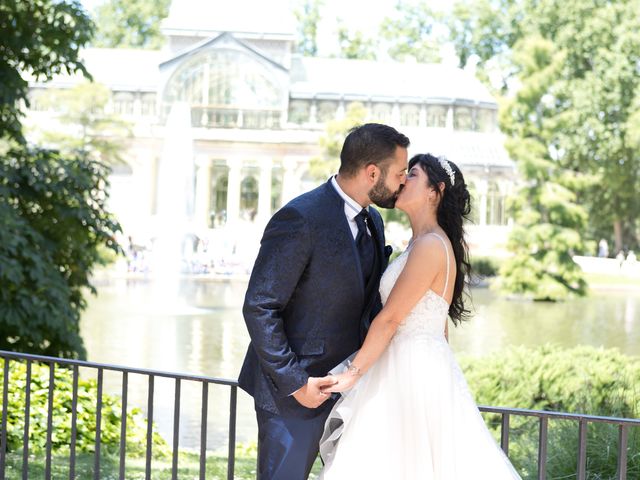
(312,294)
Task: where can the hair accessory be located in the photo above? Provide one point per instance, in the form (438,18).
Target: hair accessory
(446,166)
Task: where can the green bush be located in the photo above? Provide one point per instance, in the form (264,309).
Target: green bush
(578,380)
(62,402)
(485,266)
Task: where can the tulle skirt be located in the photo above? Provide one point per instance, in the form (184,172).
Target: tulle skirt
(411,416)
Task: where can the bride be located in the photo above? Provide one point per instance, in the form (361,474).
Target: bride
(406,411)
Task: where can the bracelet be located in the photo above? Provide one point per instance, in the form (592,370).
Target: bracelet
(353,370)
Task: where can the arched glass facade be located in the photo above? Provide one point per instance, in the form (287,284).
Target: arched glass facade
(226,88)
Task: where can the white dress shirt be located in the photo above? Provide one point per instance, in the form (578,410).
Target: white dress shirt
(351,208)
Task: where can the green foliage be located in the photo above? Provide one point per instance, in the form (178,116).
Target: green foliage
(126,24)
(87,128)
(40,38)
(485,266)
(591,96)
(308,15)
(354,45)
(331,142)
(549,220)
(410,33)
(62,412)
(53,223)
(579,380)
(582,379)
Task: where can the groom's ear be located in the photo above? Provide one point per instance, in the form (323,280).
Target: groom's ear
(372,172)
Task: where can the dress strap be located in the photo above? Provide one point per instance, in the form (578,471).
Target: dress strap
(446,281)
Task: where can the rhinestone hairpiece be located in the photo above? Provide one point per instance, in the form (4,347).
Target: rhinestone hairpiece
(446,166)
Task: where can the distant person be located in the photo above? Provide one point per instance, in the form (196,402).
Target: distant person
(620,258)
(603,248)
(631,258)
(312,294)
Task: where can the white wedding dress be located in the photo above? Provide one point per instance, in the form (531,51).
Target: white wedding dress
(412,416)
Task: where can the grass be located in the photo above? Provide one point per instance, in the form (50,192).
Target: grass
(188,467)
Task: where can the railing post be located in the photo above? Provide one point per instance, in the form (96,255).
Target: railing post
(582,450)
(74,428)
(542,449)
(27,416)
(147,468)
(176,431)
(3,429)
(47,470)
(96,460)
(622,452)
(504,434)
(123,425)
(233,401)
(203,431)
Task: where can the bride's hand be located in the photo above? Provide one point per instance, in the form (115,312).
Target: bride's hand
(344,381)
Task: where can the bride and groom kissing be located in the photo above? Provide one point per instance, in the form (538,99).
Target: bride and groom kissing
(349,354)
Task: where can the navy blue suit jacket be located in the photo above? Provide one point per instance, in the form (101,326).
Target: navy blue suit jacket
(305,306)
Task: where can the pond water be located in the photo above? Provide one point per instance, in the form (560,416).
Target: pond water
(195,326)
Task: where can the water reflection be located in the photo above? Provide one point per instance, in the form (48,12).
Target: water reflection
(196,326)
(606,319)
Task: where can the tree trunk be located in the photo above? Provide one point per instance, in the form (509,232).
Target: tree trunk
(617,232)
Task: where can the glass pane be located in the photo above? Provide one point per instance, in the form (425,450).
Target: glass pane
(249,197)
(220,84)
(327,111)
(219,189)
(436,116)
(410,115)
(462,119)
(486,120)
(382,112)
(299,111)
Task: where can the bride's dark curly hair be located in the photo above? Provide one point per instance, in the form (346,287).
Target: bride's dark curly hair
(453,209)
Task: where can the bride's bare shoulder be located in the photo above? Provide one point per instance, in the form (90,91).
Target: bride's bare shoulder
(427,248)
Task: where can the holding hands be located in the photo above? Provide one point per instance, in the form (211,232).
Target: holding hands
(314,393)
(345,380)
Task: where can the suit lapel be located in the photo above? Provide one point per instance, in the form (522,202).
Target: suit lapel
(379,237)
(344,236)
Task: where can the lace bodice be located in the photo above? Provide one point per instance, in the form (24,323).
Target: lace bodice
(429,315)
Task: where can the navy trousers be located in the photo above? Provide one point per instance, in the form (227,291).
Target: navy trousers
(287,446)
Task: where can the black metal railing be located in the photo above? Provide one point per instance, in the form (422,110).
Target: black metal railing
(505,416)
(583,422)
(100,368)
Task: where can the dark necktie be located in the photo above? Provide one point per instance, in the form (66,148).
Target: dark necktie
(364,244)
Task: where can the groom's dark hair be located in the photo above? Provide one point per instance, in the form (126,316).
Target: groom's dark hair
(371,143)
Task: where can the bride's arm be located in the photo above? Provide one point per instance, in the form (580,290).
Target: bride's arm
(425,260)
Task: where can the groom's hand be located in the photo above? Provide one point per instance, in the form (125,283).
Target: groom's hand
(311,395)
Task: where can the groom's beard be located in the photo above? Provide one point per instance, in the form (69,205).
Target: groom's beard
(382,196)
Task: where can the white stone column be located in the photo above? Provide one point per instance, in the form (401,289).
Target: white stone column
(449,124)
(483,188)
(395,114)
(422,122)
(341,110)
(137,106)
(233,190)
(203,192)
(289,179)
(313,112)
(264,195)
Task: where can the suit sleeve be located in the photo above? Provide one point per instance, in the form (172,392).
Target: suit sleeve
(284,254)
